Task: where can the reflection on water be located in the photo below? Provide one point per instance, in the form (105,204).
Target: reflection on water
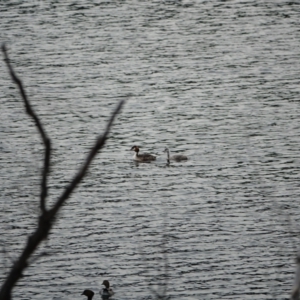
(218,81)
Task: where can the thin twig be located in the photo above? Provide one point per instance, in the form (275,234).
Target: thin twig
(46,140)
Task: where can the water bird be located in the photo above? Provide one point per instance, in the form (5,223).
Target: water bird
(90,294)
(142,156)
(106,292)
(177,157)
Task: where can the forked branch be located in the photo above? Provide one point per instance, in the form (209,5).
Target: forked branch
(47,218)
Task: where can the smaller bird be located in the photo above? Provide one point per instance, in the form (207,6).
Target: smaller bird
(90,294)
(143,157)
(106,292)
(177,157)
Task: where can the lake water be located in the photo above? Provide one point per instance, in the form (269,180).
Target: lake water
(216,80)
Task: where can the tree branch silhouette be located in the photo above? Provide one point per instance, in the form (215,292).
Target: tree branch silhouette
(47,217)
(31,113)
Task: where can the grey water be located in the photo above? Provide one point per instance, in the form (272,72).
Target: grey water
(218,81)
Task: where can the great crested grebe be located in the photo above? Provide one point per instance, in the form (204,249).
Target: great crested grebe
(142,156)
(177,157)
(90,294)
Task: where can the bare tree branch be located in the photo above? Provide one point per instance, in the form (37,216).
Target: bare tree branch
(46,140)
(47,218)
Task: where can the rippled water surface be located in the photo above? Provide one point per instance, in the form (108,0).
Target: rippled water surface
(216,80)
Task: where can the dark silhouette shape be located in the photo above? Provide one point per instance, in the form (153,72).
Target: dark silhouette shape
(90,294)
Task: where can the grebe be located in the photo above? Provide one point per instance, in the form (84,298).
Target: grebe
(177,157)
(90,294)
(106,292)
(143,156)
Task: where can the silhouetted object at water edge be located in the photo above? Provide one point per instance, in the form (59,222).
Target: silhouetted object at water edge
(90,294)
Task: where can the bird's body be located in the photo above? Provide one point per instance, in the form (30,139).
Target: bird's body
(142,157)
(106,292)
(177,157)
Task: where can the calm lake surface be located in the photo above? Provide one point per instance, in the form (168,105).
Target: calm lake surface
(216,80)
